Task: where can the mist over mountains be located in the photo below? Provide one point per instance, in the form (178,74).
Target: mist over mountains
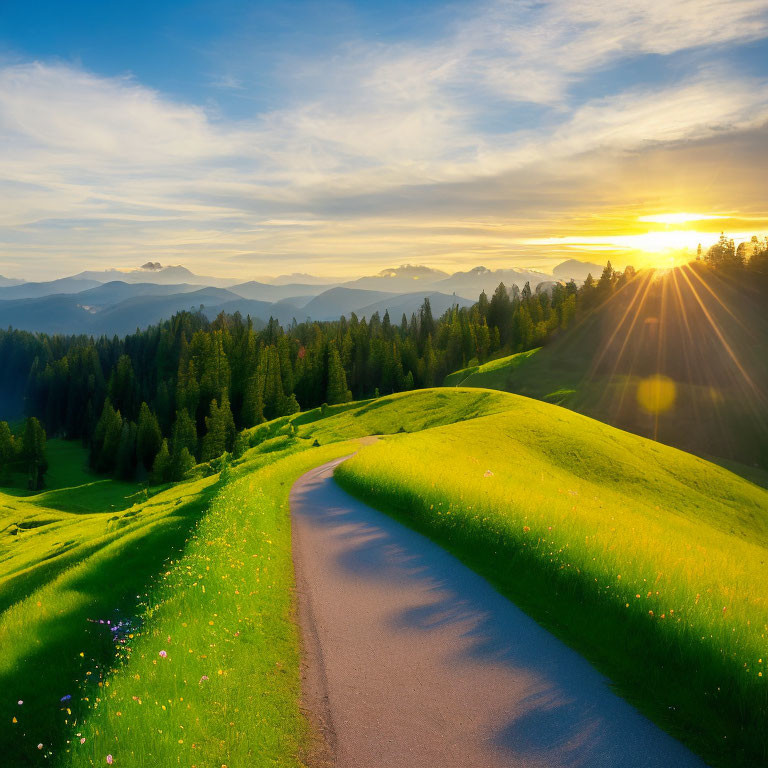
(117,302)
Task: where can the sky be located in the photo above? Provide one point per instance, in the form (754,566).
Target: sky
(339,138)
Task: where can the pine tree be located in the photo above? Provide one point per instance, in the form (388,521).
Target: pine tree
(228,422)
(273,396)
(181,462)
(253,404)
(125,463)
(7,452)
(33,453)
(337,391)
(430,365)
(148,437)
(106,438)
(605,283)
(215,440)
(184,433)
(161,467)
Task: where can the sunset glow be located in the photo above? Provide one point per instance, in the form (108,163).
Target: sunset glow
(283,139)
(678,218)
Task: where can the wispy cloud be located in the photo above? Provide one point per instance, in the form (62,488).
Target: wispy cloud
(370,160)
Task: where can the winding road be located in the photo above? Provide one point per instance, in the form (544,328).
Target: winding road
(414,661)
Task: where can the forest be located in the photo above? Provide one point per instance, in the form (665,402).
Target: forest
(153,404)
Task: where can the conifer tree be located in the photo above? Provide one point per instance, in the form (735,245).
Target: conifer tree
(106,438)
(217,428)
(184,433)
(33,453)
(7,452)
(430,365)
(161,467)
(148,437)
(337,391)
(125,463)
(181,462)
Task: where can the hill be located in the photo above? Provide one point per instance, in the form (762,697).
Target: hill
(97,576)
(155,273)
(408,303)
(576,270)
(472,282)
(48,288)
(511,485)
(112,309)
(341,301)
(271,293)
(650,561)
(676,356)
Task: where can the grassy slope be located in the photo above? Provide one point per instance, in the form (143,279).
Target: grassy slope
(494,374)
(61,571)
(225,689)
(551,467)
(82,554)
(647,559)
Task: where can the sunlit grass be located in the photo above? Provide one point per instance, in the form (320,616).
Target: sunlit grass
(494,374)
(648,559)
(208,674)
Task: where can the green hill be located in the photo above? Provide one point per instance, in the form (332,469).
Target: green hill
(679,357)
(91,554)
(139,622)
(647,559)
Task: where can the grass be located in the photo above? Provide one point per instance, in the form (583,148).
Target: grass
(650,561)
(208,674)
(569,517)
(406,411)
(494,374)
(98,567)
(61,574)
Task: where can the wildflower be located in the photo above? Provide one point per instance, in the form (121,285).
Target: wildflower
(14,720)
(39,746)
(488,473)
(20,702)
(82,739)
(204,679)
(163,654)
(526,529)
(109,760)
(66,698)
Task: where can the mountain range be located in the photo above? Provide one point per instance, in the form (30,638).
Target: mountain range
(118,302)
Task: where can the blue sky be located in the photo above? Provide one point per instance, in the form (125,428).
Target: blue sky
(341,138)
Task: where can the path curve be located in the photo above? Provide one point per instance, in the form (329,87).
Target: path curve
(412,660)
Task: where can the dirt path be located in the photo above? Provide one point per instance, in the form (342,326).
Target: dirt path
(414,661)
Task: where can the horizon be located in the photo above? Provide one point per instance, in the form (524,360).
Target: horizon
(343,138)
(330,280)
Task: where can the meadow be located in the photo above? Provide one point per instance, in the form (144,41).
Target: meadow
(98,577)
(495,374)
(153,625)
(648,560)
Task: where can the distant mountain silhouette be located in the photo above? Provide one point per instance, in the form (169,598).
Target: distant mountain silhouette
(577,270)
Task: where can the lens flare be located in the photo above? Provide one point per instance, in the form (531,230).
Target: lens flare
(656,394)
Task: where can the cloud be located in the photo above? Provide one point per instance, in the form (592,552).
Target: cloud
(385,151)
